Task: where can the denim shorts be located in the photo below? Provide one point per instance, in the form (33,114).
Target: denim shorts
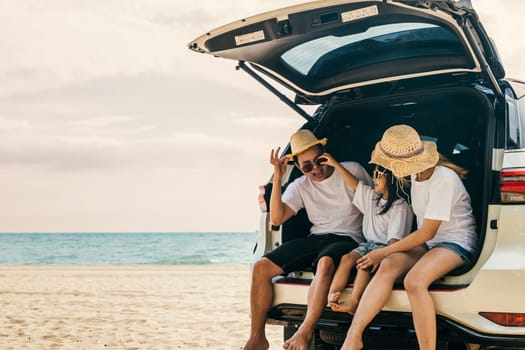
(366,247)
(456,248)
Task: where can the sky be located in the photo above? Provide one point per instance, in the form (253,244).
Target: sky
(108,123)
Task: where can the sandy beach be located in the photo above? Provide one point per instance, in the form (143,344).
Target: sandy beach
(126,307)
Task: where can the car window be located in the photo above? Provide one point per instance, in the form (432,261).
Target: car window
(518,87)
(521,114)
(334,54)
(429,138)
(515,123)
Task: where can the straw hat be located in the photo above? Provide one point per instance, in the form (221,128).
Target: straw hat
(402,151)
(303,140)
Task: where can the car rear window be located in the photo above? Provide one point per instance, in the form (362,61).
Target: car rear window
(331,55)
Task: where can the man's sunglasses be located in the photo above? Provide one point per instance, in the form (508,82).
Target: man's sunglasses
(308,167)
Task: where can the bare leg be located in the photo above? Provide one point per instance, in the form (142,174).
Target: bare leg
(361,281)
(434,264)
(317,296)
(377,293)
(261,295)
(349,304)
(341,276)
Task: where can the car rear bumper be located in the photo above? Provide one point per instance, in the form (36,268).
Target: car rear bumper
(393,328)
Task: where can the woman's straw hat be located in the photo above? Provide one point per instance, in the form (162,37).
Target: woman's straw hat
(402,151)
(303,140)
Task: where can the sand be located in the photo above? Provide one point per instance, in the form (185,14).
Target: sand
(129,307)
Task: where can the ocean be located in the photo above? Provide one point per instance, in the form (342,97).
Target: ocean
(180,248)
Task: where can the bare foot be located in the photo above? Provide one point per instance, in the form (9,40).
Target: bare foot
(334,297)
(348,305)
(257,343)
(352,343)
(298,341)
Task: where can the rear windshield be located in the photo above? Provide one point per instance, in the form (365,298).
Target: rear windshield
(332,55)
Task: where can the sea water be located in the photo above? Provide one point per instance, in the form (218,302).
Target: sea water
(180,248)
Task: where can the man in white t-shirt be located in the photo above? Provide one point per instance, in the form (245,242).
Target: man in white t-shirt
(336,230)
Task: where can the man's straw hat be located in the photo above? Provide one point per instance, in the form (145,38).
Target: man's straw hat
(402,151)
(303,140)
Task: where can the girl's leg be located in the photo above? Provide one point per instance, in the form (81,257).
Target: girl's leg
(349,303)
(341,276)
(362,279)
(434,264)
(377,293)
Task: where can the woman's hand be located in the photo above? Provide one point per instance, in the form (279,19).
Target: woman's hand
(279,164)
(371,260)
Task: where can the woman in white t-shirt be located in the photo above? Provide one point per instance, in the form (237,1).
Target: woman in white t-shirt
(387,218)
(445,238)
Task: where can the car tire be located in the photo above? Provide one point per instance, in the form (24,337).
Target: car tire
(332,337)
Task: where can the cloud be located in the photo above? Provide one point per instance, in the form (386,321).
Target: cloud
(78,43)
(61,43)
(501,23)
(140,121)
(103,121)
(270,123)
(106,116)
(10,127)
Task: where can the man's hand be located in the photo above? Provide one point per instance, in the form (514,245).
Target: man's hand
(371,260)
(279,164)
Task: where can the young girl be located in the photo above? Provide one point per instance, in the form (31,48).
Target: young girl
(387,218)
(444,240)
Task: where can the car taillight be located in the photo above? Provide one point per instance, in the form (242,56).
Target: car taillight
(507,319)
(262,202)
(512,185)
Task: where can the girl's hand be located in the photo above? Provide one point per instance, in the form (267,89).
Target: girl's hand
(279,164)
(371,260)
(327,159)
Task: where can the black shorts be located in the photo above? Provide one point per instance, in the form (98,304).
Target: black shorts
(305,252)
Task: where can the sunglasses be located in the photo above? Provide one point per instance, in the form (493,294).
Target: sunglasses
(308,167)
(377,174)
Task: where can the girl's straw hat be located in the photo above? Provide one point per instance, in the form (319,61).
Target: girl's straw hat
(303,140)
(402,151)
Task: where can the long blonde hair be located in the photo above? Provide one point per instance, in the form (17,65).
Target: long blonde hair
(443,161)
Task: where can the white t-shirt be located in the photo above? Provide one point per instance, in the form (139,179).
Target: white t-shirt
(444,197)
(328,203)
(381,228)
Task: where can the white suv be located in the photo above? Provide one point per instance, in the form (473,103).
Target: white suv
(373,64)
